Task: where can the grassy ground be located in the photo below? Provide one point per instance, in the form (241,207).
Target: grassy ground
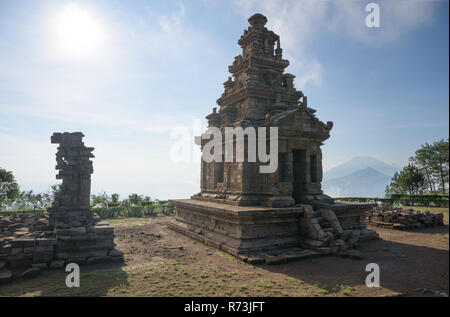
(168,278)
(178,272)
(161,262)
(430,209)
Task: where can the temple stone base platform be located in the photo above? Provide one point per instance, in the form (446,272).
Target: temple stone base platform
(237,229)
(272,235)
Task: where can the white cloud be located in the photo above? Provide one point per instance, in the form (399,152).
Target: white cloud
(107,92)
(397,18)
(174,21)
(31,159)
(299,21)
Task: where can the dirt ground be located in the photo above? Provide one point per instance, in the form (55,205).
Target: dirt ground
(161,262)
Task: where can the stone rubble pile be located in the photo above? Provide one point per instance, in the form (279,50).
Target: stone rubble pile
(397,218)
(26,240)
(25,225)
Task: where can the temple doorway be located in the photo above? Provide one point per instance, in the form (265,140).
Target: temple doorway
(298,173)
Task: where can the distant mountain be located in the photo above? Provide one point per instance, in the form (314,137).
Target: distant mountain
(357,164)
(367,182)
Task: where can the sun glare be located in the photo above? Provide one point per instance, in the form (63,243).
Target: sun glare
(78,32)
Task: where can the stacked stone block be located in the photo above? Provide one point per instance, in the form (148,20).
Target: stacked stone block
(26,240)
(80,237)
(397,218)
(70,231)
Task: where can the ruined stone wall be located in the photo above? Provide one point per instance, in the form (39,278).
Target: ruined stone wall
(70,231)
(398,218)
(80,238)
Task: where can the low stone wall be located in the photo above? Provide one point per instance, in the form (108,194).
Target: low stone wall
(397,218)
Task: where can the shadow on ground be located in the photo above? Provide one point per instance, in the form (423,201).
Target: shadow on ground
(404,268)
(431,230)
(95,280)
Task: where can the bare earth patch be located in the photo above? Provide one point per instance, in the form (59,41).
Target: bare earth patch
(161,262)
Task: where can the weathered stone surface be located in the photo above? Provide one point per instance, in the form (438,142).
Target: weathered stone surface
(34,271)
(43,257)
(101,230)
(16,251)
(57,264)
(98,259)
(68,232)
(99,253)
(260,95)
(77,236)
(5,276)
(78,230)
(115,253)
(32,239)
(39,265)
(23,243)
(46,242)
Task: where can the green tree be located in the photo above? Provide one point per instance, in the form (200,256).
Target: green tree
(423,159)
(9,189)
(100,200)
(135,199)
(146,201)
(440,164)
(410,180)
(115,202)
(433,161)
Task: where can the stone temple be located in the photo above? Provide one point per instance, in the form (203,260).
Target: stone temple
(269,216)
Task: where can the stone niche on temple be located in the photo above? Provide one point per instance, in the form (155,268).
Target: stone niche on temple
(246,212)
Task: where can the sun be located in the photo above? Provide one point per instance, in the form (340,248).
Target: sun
(79,33)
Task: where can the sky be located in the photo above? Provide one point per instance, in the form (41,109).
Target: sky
(134,75)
